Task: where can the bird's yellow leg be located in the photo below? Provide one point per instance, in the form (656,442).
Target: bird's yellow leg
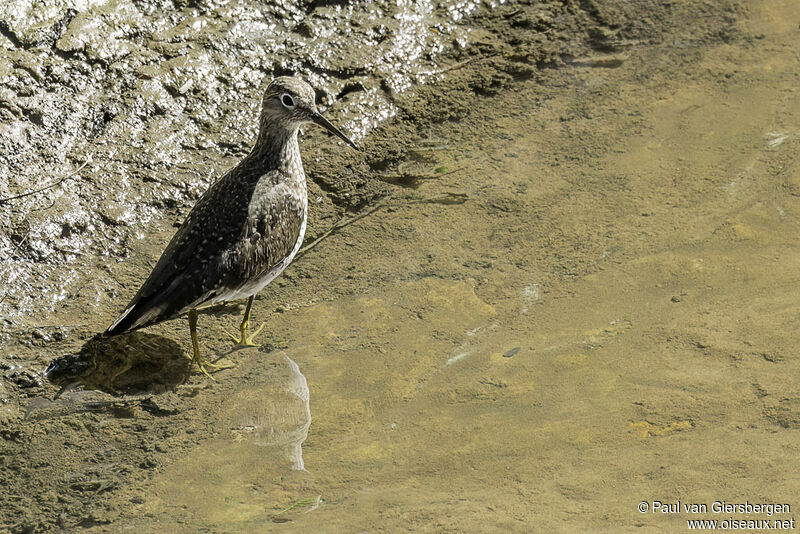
(196,358)
(244,340)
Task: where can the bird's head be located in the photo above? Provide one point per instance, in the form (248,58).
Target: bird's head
(289,101)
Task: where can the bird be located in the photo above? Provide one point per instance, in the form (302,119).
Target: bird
(243,231)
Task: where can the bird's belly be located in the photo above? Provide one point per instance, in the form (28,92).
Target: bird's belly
(256,284)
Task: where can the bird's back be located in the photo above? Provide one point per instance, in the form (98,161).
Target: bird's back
(246,224)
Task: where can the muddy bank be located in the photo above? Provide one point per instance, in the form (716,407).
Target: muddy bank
(465,303)
(124,112)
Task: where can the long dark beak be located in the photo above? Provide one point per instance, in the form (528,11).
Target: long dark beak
(322,121)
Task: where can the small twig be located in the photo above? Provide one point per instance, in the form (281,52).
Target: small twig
(53,203)
(58,325)
(341,223)
(18,245)
(401,175)
(303,502)
(45,188)
(446,199)
(466,62)
(67,251)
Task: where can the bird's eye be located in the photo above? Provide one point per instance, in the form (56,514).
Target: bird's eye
(287,101)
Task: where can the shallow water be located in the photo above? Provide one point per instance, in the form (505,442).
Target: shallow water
(608,318)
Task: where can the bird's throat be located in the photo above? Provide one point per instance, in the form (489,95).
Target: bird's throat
(277,148)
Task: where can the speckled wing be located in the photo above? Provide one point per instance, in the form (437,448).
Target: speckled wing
(236,232)
(276,224)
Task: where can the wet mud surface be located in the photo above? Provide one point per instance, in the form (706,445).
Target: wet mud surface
(576,291)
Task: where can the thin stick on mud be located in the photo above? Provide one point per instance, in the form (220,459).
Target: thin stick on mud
(45,188)
(341,223)
(464,63)
(445,199)
(314,501)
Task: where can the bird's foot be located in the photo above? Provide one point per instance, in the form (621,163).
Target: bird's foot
(243,340)
(202,364)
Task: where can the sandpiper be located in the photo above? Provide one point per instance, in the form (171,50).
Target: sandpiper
(243,232)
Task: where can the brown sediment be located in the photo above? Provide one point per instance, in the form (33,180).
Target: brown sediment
(622,223)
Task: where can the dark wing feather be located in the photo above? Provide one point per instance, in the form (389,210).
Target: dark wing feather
(184,276)
(238,231)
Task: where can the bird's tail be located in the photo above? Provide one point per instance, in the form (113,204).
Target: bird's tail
(150,307)
(124,322)
(141,312)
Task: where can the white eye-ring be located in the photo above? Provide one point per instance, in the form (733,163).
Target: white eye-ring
(287,101)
